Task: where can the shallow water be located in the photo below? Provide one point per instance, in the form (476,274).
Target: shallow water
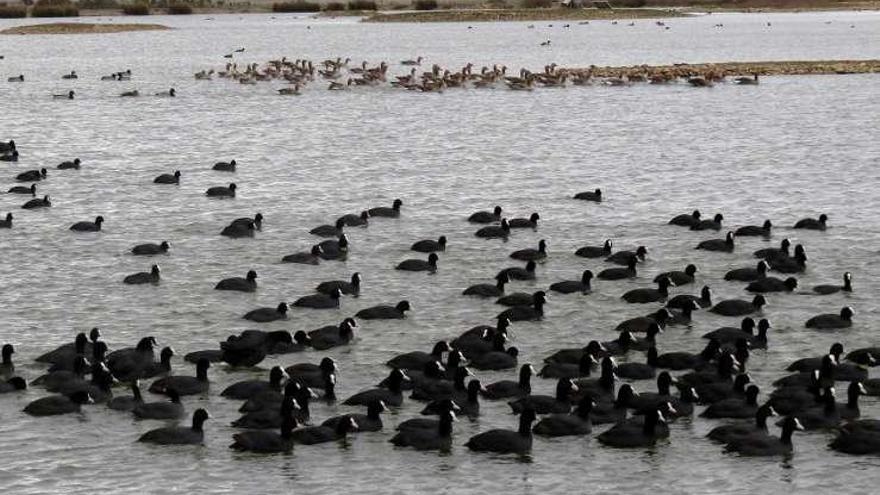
(791,147)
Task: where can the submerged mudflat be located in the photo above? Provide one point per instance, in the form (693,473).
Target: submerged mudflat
(81,28)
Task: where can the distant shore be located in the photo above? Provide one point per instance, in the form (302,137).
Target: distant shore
(509,10)
(81,28)
(492,15)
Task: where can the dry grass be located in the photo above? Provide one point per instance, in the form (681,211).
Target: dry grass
(81,28)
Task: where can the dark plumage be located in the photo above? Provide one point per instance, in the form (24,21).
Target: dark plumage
(150,249)
(641,324)
(833,289)
(732,432)
(762,444)
(7,367)
(391,396)
(518,273)
(425,438)
(414,265)
(252,346)
(352,220)
(624,257)
(748,274)
(547,404)
(771,253)
(830,321)
(37,203)
(773,284)
(495,232)
(88,226)
(681,301)
(178,435)
(70,164)
(221,191)
(686,220)
(505,389)
(329,230)
(681,360)
(714,224)
(430,245)
(151,277)
(352,287)
(619,273)
(238,230)
(184,385)
(372,421)
(266,442)
(417,360)
(264,315)
(754,230)
(32,190)
(646,295)
(127,363)
(496,360)
(54,405)
(535,311)
(595,251)
(531,254)
(246,389)
(170,409)
(31,175)
(679,277)
(246,284)
(812,223)
(168,178)
(14,384)
(576,423)
(485,216)
(570,286)
(312,257)
(386,212)
(225,166)
(332,336)
(794,264)
(595,196)
(506,441)
(735,407)
(739,307)
(334,249)
(723,245)
(383,312)
(632,434)
(525,223)
(319,300)
(640,371)
(488,290)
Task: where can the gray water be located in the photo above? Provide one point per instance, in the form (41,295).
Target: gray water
(788,148)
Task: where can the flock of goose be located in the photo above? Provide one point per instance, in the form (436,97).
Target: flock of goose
(340,76)
(276,414)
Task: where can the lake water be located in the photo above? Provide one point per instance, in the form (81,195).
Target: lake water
(788,148)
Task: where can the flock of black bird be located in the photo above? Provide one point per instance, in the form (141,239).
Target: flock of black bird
(276,413)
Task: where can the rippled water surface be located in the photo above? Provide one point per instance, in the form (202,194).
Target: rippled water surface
(788,148)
